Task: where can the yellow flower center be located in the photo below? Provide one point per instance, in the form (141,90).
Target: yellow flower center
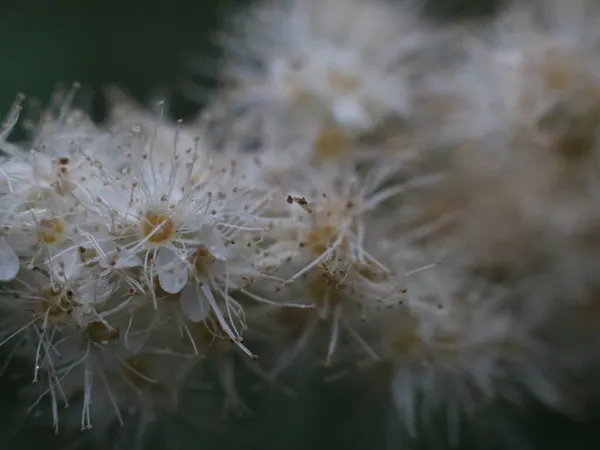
(50,230)
(158,228)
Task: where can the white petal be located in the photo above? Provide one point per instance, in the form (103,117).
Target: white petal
(165,259)
(42,165)
(66,265)
(9,261)
(127,260)
(172,271)
(124,259)
(349,113)
(216,245)
(193,304)
(95,291)
(173,281)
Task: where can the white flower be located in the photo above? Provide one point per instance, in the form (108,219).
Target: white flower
(338,58)
(455,351)
(307,79)
(164,210)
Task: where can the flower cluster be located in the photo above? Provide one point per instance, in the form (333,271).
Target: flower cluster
(367,188)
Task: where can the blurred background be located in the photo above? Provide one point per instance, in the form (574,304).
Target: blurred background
(145,47)
(151,49)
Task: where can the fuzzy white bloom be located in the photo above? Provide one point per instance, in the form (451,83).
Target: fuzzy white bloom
(456,347)
(97,248)
(341,58)
(347,200)
(521,149)
(308,78)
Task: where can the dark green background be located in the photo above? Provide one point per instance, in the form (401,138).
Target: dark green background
(141,46)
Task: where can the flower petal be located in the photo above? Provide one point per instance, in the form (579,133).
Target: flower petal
(172,271)
(193,304)
(349,113)
(216,245)
(9,261)
(127,260)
